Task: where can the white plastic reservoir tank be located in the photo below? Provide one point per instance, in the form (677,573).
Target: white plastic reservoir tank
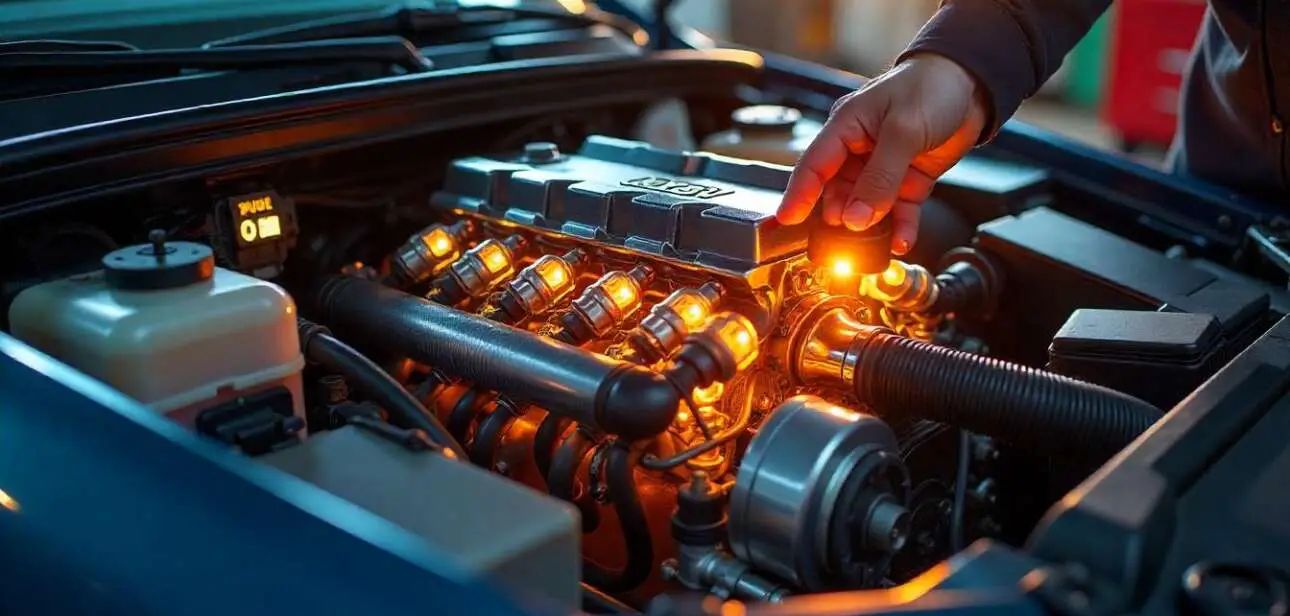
(166,327)
(767,133)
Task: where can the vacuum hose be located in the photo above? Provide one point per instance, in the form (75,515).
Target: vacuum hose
(611,396)
(320,347)
(621,482)
(1014,403)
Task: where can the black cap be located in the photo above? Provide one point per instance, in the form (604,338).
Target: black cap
(636,403)
(158,264)
(867,251)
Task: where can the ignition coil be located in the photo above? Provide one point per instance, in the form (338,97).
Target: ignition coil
(428,252)
(537,288)
(716,353)
(667,324)
(478,271)
(610,301)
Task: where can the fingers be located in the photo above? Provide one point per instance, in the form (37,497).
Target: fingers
(904,215)
(838,190)
(880,181)
(842,137)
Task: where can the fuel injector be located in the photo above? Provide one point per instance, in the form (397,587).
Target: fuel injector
(667,324)
(537,288)
(427,252)
(606,303)
(479,271)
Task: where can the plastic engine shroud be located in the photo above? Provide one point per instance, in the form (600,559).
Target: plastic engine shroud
(702,208)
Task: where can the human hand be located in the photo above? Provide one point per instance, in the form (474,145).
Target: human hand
(885,145)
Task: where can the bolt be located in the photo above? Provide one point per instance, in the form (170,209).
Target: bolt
(541,152)
(157,237)
(1224,222)
(669,569)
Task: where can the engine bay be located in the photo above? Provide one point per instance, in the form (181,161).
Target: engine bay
(583,363)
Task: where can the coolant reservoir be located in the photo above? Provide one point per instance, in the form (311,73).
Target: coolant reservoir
(163,325)
(768,133)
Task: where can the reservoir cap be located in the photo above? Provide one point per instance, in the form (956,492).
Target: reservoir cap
(766,118)
(158,264)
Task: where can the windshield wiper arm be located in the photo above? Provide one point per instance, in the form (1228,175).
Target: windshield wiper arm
(421,18)
(392,50)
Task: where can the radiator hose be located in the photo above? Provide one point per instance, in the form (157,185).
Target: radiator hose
(1017,404)
(606,395)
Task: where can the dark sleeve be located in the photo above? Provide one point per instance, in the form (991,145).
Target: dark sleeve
(1011,46)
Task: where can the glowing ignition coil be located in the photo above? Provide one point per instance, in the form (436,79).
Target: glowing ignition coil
(478,271)
(667,324)
(538,287)
(428,252)
(716,353)
(903,286)
(610,301)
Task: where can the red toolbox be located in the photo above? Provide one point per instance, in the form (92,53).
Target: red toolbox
(1150,43)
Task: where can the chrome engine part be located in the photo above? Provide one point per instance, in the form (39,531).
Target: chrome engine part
(820,496)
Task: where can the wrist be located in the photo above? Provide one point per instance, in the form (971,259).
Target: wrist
(949,70)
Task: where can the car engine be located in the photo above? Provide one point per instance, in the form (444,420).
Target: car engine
(582,364)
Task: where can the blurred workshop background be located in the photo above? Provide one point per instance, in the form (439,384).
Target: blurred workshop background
(1118,89)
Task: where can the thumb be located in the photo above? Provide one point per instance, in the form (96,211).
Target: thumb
(899,141)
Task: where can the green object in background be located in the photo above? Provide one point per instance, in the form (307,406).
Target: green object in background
(1086,84)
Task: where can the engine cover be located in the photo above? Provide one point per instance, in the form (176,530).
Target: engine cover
(705,209)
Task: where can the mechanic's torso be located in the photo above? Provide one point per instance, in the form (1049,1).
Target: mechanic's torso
(1235,95)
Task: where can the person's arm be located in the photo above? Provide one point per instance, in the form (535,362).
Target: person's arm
(1011,46)
(885,145)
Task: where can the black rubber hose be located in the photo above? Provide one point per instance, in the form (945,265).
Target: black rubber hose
(544,441)
(607,395)
(1016,404)
(564,471)
(464,410)
(960,491)
(621,480)
(489,435)
(319,346)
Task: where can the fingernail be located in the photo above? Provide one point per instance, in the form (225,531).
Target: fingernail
(901,247)
(857,215)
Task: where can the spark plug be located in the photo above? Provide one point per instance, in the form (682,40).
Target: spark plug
(479,271)
(665,327)
(606,303)
(427,252)
(537,288)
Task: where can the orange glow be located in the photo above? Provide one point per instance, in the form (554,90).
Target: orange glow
(738,334)
(494,257)
(895,274)
(843,413)
(9,502)
(733,608)
(842,268)
(621,290)
(683,416)
(704,396)
(439,242)
(691,307)
(554,272)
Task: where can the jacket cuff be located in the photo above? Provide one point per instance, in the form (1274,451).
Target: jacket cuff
(984,39)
